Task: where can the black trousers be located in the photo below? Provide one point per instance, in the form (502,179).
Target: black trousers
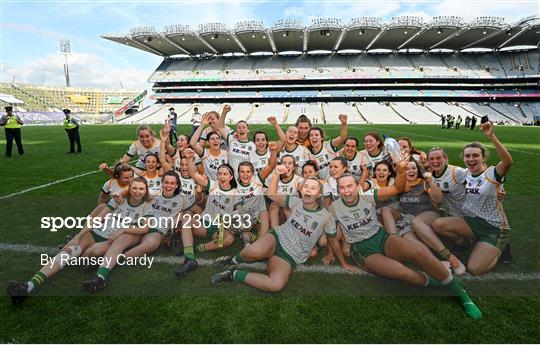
(172,136)
(13,133)
(73,136)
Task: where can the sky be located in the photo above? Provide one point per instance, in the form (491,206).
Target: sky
(30,30)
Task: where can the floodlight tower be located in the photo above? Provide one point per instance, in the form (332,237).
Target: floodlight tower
(65,48)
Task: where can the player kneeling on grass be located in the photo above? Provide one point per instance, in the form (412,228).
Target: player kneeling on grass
(484,218)
(161,215)
(379,253)
(89,242)
(288,245)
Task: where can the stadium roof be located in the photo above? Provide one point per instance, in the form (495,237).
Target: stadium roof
(330,34)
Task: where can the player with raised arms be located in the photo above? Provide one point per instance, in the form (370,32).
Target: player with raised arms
(211,157)
(251,188)
(222,198)
(213,126)
(146,143)
(322,151)
(290,147)
(484,217)
(90,241)
(407,148)
(288,184)
(288,245)
(379,253)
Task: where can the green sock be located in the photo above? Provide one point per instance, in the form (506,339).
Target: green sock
(201,248)
(240,276)
(456,287)
(253,238)
(189,253)
(38,279)
(237,259)
(445,254)
(103,272)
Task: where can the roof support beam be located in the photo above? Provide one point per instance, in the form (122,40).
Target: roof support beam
(340,39)
(207,44)
(522,31)
(413,37)
(448,38)
(176,45)
(376,38)
(485,38)
(306,38)
(244,50)
(146,46)
(270,35)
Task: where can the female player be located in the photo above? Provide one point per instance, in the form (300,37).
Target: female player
(310,169)
(259,158)
(286,246)
(213,122)
(288,184)
(352,155)
(223,198)
(162,214)
(118,185)
(382,254)
(374,151)
(484,220)
(323,151)
(214,156)
(145,144)
(290,147)
(408,149)
(90,241)
(152,174)
(418,208)
(250,187)
(303,123)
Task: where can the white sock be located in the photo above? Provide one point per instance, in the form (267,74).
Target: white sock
(447,280)
(233,260)
(30,287)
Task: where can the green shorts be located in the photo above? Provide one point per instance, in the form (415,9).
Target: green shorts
(485,232)
(152,230)
(280,252)
(97,238)
(210,231)
(373,245)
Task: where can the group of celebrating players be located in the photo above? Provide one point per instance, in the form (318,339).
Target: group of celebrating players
(287,200)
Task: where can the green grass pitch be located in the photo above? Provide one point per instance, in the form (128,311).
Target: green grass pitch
(142,305)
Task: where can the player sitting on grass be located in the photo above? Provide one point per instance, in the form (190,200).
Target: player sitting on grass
(288,245)
(484,220)
(251,188)
(223,198)
(165,209)
(88,242)
(379,253)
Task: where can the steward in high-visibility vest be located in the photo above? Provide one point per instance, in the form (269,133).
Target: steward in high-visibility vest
(71,126)
(12,124)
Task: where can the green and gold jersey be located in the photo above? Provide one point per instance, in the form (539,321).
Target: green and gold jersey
(299,234)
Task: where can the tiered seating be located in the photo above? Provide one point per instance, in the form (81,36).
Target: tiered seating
(509,110)
(491,61)
(268,65)
(261,111)
(376,112)
(481,110)
(333,110)
(312,110)
(299,66)
(415,113)
(530,110)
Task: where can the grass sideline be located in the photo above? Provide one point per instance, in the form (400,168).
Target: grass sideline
(315,307)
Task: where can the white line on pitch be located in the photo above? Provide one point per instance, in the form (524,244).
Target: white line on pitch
(173,260)
(51,183)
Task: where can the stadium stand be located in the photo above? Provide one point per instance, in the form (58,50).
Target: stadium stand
(41,104)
